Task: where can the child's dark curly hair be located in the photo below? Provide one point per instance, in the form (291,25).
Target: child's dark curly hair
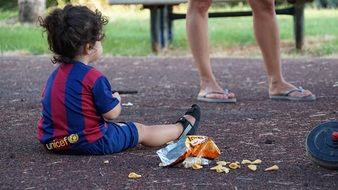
(70,28)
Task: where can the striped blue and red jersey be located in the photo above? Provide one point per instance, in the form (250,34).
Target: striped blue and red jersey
(73,101)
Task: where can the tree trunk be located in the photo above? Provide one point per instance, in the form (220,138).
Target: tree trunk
(30,10)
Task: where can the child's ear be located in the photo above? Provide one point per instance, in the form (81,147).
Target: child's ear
(87,49)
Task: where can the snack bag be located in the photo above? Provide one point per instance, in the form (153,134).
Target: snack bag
(191,145)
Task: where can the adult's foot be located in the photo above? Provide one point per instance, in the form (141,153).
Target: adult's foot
(289,92)
(211,92)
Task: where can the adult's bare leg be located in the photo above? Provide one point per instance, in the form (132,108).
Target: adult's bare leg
(197,31)
(267,37)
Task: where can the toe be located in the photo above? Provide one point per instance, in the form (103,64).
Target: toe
(221,95)
(231,95)
(301,94)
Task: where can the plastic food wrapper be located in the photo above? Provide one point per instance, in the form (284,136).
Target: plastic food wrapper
(189,146)
(189,162)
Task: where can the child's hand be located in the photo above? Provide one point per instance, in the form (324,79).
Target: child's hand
(117,95)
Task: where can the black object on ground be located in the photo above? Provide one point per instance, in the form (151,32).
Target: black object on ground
(322,145)
(125,91)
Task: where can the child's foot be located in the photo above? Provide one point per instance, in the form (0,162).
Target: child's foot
(190,121)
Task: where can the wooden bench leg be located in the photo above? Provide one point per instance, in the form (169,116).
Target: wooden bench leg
(299,25)
(160,27)
(170,23)
(155,29)
(161,18)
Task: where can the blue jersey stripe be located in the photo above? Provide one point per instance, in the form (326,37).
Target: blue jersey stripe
(73,98)
(47,110)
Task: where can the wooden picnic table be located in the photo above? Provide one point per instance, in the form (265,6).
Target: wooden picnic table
(162,17)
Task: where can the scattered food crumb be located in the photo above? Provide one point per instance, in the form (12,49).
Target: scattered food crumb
(196,166)
(134,175)
(220,169)
(272,168)
(252,167)
(234,165)
(258,161)
(246,162)
(335,84)
(223,163)
(127,104)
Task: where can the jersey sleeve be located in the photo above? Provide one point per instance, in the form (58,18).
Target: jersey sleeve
(103,97)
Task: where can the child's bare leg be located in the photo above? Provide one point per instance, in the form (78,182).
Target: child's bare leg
(158,135)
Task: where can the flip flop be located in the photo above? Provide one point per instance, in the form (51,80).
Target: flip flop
(205,98)
(286,96)
(188,128)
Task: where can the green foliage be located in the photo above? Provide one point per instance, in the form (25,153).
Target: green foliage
(95,3)
(327,3)
(51,3)
(13,4)
(128,34)
(8,4)
(23,39)
(243,3)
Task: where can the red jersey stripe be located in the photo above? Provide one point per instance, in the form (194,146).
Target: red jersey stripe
(40,128)
(58,109)
(92,127)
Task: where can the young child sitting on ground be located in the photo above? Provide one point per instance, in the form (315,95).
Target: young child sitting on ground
(78,107)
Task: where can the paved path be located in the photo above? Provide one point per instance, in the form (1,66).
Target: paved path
(253,128)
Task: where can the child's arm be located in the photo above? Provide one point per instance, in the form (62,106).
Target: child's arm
(115,112)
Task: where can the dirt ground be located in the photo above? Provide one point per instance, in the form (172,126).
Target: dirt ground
(253,128)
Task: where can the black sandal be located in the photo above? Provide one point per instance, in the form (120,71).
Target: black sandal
(188,128)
